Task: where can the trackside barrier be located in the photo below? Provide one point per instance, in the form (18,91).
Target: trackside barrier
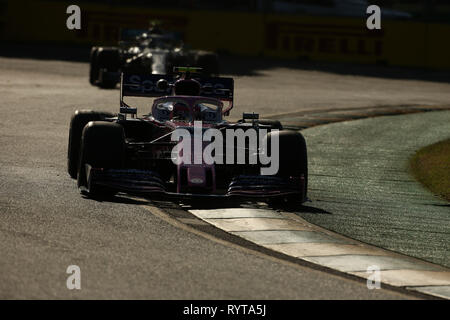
(399,42)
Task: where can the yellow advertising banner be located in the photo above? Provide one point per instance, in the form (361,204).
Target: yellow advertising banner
(400,43)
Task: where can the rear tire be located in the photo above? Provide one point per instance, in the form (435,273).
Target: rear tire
(209,63)
(93,71)
(108,59)
(77,123)
(102,146)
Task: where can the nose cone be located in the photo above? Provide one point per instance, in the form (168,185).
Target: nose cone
(196,176)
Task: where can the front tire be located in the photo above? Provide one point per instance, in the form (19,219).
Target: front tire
(77,123)
(293,161)
(102,146)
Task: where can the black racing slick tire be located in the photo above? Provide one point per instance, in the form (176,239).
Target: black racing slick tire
(175,60)
(102,146)
(293,157)
(209,63)
(108,59)
(93,67)
(77,123)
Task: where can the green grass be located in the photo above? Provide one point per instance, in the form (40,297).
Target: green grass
(431,166)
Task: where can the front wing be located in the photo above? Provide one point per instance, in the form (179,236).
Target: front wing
(146,182)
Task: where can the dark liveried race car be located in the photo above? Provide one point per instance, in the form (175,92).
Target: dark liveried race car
(111,153)
(146,51)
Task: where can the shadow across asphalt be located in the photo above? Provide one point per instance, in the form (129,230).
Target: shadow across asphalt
(234,65)
(211,203)
(75,53)
(293,208)
(245,66)
(207,203)
(116,199)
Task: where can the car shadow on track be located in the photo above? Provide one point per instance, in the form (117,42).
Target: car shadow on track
(223,204)
(118,199)
(441,205)
(201,204)
(299,209)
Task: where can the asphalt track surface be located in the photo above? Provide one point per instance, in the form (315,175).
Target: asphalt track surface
(361,185)
(123,250)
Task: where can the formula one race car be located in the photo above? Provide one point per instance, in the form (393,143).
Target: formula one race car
(184,147)
(152,51)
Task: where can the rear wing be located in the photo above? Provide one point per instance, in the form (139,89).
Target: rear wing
(145,85)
